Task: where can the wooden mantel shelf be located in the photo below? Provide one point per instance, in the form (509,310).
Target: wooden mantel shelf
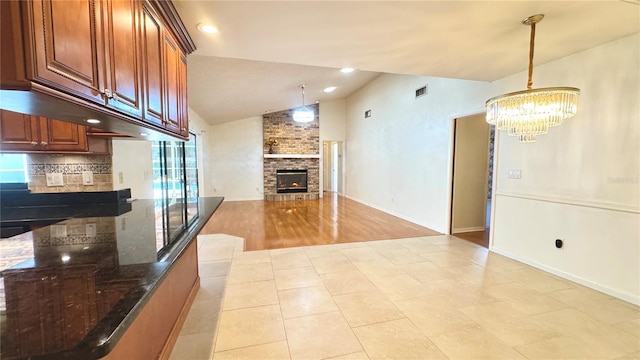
(292,156)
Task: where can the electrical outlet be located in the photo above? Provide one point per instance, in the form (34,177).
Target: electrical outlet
(58,231)
(87,178)
(54,179)
(120,177)
(514,174)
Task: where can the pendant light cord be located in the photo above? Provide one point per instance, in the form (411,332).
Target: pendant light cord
(531,45)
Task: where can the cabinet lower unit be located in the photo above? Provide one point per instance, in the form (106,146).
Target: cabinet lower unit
(51,310)
(48,310)
(127,65)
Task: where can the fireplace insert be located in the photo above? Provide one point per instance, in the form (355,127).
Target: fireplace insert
(291,181)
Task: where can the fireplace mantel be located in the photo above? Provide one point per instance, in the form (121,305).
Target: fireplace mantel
(292,156)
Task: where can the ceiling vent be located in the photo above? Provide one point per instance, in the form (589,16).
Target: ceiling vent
(421,91)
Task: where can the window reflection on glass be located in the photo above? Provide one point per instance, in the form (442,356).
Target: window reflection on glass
(191,172)
(13,168)
(175,187)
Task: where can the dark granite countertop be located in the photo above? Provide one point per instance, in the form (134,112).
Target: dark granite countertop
(71,290)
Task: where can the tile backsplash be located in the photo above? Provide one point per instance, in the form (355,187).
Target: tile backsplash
(71,167)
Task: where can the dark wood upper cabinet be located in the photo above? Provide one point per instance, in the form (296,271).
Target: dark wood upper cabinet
(18,132)
(116,60)
(124,59)
(152,66)
(69,50)
(62,135)
(28,133)
(172,94)
(182,88)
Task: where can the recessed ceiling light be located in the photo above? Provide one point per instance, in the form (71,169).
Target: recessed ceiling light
(207,28)
(329,89)
(144,134)
(93,121)
(347,70)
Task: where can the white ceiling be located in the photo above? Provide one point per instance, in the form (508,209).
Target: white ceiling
(265,49)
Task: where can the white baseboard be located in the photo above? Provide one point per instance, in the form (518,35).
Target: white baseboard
(634,299)
(468,229)
(434,228)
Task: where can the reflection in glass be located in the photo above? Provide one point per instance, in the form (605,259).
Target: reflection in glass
(191,172)
(175,179)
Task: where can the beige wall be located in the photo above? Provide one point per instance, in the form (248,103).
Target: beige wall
(132,167)
(580,181)
(470,173)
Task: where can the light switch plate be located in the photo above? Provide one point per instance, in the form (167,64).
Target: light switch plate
(54,179)
(87,178)
(91,230)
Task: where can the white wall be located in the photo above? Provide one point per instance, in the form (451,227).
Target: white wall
(399,159)
(580,182)
(333,120)
(234,160)
(132,159)
(201,128)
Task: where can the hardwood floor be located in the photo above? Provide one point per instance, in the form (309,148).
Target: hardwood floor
(477,237)
(330,220)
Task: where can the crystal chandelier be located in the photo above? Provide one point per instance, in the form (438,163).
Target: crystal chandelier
(529,113)
(303,114)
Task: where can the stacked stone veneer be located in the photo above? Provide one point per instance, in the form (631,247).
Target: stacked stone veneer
(293,139)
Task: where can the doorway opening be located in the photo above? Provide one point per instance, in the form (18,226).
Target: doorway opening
(332,166)
(472,179)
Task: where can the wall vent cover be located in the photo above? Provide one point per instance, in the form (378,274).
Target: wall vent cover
(421,91)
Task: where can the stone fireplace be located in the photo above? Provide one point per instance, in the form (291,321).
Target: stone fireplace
(292,170)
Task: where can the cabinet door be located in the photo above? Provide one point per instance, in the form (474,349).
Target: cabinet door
(33,310)
(59,135)
(172,93)
(18,132)
(151,57)
(78,290)
(123,56)
(69,46)
(182,96)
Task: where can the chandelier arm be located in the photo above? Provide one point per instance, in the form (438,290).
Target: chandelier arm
(531,46)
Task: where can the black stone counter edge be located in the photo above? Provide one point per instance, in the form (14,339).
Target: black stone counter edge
(94,345)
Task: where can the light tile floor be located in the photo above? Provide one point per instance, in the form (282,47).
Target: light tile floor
(433,297)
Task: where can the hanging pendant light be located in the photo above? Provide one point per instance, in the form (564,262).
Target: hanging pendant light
(529,113)
(303,114)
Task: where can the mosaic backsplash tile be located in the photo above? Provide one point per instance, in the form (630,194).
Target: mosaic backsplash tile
(71,168)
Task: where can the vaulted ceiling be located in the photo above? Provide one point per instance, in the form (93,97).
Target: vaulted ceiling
(265,49)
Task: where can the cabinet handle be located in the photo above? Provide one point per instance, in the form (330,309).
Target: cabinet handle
(184,129)
(54,277)
(108,93)
(44,278)
(44,143)
(34,143)
(115,96)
